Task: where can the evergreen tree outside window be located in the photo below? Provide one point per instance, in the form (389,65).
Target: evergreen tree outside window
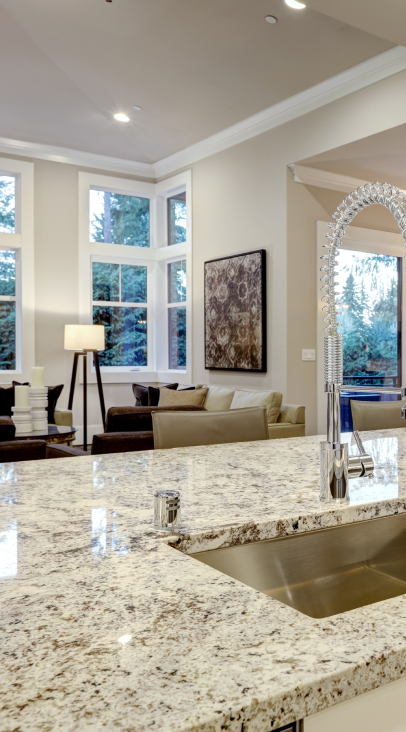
(8,309)
(176,219)
(177,315)
(7,204)
(370,310)
(119,294)
(119,219)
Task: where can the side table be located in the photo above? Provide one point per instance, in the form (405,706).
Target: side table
(54,434)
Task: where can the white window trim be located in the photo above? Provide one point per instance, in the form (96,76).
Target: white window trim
(156,256)
(361,240)
(23,242)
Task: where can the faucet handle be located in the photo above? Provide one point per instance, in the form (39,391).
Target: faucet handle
(366,460)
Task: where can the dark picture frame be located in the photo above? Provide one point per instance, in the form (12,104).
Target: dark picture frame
(235,312)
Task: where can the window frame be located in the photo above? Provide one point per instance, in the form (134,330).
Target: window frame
(148,306)
(156,257)
(109,189)
(17,299)
(22,242)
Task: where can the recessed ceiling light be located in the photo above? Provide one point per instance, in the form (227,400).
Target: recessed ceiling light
(270,19)
(137,107)
(294,4)
(121,117)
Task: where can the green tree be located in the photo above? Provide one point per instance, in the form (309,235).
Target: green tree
(125,327)
(370,321)
(7,204)
(7,310)
(124,220)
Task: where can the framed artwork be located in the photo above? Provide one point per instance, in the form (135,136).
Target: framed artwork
(235,312)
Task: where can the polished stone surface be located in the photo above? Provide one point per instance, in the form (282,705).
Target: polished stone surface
(103,625)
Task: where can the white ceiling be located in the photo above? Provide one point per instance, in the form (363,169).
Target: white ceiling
(195,66)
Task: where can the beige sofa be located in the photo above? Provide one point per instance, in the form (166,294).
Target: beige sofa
(284,420)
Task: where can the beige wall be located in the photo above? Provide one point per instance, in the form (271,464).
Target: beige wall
(243,199)
(56,284)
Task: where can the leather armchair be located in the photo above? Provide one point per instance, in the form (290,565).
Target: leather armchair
(377,415)
(209,428)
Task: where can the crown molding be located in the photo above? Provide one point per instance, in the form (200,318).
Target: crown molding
(325,179)
(75,157)
(369,72)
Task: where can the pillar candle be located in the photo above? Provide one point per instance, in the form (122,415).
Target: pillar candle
(37,376)
(21,396)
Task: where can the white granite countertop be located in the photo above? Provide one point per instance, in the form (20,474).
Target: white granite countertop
(103,626)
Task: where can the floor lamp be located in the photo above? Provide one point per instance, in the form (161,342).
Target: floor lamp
(84,339)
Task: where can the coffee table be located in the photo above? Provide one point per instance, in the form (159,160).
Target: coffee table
(54,434)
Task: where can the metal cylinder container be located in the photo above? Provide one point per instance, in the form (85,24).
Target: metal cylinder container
(167,510)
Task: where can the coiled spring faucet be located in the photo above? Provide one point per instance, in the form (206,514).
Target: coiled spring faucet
(336,467)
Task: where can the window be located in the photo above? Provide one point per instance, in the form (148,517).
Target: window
(176,214)
(120,304)
(8,310)
(119,219)
(369,291)
(134,253)
(177,315)
(7,204)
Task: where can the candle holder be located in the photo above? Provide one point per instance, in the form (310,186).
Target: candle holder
(38,399)
(22,419)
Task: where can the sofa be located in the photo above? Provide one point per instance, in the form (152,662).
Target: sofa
(284,420)
(129,429)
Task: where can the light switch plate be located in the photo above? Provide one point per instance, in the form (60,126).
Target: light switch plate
(308,354)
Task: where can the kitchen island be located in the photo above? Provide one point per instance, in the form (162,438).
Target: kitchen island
(106,626)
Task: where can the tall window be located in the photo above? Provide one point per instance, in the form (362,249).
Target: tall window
(120,304)
(7,204)
(119,219)
(177,315)
(370,287)
(135,237)
(177,219)
(8,309)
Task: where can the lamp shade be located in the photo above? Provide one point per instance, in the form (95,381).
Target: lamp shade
(84,338)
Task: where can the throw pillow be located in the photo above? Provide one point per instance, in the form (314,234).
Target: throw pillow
(193,397)
(7,399)
(141,395)
(153,394)
(218,399)
(272,400)
(54,392)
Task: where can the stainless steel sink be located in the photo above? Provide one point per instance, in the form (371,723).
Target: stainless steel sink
(322,573)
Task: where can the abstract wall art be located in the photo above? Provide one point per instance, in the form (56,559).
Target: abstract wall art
(235,312)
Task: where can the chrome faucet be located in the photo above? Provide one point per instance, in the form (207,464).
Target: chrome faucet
(336,467)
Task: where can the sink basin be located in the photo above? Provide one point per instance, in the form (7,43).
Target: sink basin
(325,572)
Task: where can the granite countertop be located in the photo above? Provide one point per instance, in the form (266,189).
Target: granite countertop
(104,626)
